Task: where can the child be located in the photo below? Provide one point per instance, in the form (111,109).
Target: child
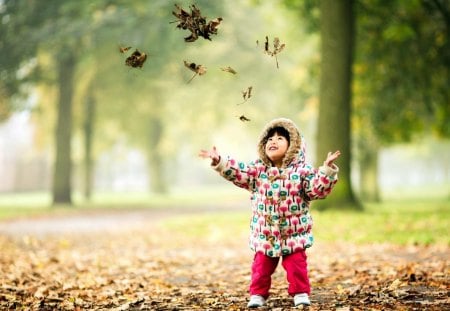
(281,184)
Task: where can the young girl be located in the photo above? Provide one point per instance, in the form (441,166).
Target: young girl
(282,185)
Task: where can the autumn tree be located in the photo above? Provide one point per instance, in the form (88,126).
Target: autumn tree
(89,111)
(401,78)
(334,133)
(76,35)
(20,22)
(140,105)
(334,21)
(400,81)
(57,31)
(62,173)
(17,54)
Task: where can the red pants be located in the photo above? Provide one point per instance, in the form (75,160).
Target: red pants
(264,266)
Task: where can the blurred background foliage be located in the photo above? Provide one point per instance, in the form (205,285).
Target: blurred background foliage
(75,119)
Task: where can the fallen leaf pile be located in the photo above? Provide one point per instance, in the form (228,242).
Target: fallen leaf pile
(153,267)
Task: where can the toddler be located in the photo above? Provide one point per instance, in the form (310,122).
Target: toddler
(282,185)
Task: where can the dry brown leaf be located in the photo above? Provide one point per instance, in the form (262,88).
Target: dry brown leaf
(197,69)
(243,118)
(123,49)
(246,94)
(136,59)
(229,69)
(195,23)
(277,48)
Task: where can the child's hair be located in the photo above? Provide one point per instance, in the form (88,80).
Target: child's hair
(277,130)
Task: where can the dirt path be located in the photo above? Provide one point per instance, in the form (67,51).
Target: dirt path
(133,260)
(99,220)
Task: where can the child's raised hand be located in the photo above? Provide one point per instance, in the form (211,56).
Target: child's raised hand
(331,157)
(212,154)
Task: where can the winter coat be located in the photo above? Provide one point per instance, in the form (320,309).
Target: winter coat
(280,197)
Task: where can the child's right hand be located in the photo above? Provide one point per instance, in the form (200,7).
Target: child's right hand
(212,154)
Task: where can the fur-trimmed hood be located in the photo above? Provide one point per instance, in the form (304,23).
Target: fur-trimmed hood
(296,151)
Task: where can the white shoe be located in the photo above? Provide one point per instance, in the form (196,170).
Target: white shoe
(301,299)
(256,301)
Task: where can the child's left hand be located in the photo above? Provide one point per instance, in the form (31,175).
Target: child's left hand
(331,157)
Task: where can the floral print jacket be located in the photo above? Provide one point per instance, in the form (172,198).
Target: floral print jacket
(280,197)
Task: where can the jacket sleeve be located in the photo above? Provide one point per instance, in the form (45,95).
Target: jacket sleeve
(239,173)
(318,182)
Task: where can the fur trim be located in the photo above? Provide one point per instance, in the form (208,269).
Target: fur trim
(295,142)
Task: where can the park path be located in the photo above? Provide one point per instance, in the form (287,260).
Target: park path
(100,220)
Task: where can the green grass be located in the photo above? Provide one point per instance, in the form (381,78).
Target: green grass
(403,222)
(400,222)
(14,205)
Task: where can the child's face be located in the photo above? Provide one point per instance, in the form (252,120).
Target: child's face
(276,148)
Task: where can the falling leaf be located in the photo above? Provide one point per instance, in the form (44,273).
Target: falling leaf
(243,118)
(277,48)
(136,59)
(229,69)
(195,23)
(246,94)
(249,92)
(197,69)
(123,49)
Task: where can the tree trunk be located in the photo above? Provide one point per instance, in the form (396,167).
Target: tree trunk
(62,173)
(155,160)
(368,169)
(337,34)
(89,120)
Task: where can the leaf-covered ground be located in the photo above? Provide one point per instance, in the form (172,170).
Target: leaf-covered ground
(140,262)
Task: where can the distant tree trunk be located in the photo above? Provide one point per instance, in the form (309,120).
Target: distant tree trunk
(367,156)
(89,120)
(155,160)
(368,172)
(337,35)
(62,173)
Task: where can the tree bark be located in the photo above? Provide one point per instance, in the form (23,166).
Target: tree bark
(62,174)
(156,162)
(88,139)
(370,191)
(337,34)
